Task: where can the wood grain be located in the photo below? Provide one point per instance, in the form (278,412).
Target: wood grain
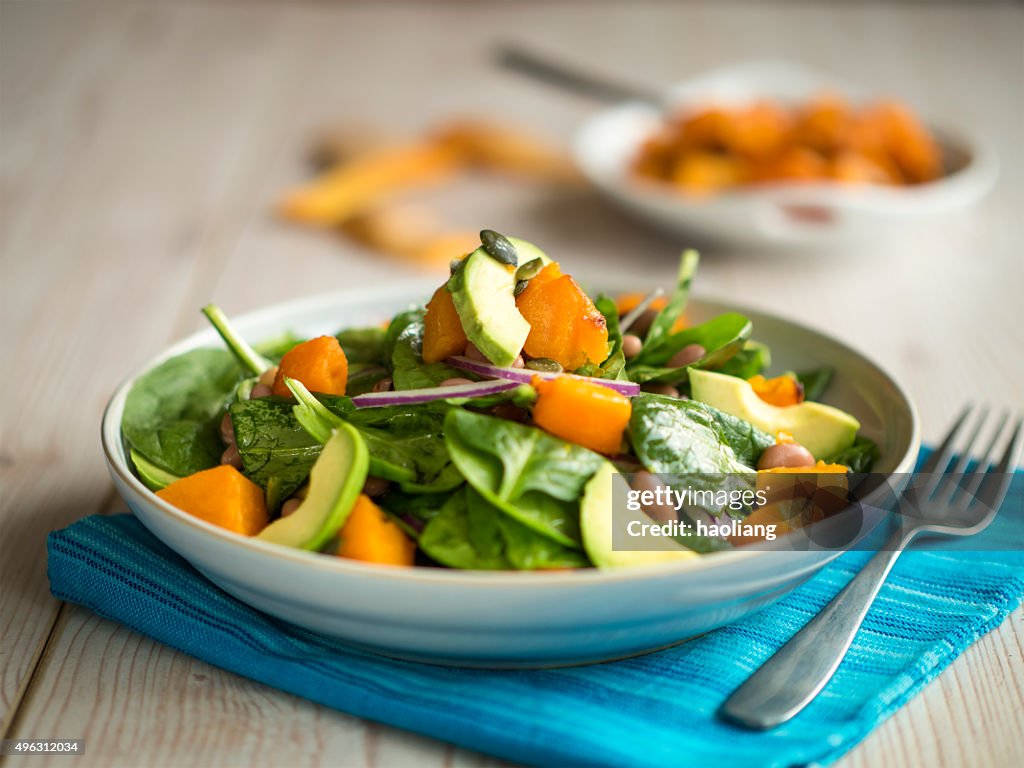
(141,149)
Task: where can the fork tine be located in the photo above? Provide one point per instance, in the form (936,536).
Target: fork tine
(964,457)
(932,469)
(956,477)
(987,458)
(993,489)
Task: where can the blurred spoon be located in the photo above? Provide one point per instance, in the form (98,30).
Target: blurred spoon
(571,79)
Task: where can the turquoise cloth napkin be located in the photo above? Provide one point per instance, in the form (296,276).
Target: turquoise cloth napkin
(655,710)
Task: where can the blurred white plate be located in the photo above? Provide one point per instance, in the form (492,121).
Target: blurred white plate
(780,216)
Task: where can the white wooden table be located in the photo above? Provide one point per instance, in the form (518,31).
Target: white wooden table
(142,146)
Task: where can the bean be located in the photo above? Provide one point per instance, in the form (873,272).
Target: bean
(475,354)
(290,506)
(231,456)
(661,389)
(631,345)
(268,376)
(642,324)
(691,353)
(260,390)
(646,481)
(384,385)
(375,486)
(455,381)
(785,455)
(227,430)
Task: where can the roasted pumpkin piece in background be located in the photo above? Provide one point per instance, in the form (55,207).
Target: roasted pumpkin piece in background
(758,131)
(443,335)
(909,143)
(824,123)
(582,412)
(320,364)
(793,164)
(780,390)
(492,146)
(222,496)
(857,168)
(371,536)
(709,171)
(565,326)
(357,186)
(823,139)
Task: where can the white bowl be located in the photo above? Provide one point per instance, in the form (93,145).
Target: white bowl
(779,216)
(503,619)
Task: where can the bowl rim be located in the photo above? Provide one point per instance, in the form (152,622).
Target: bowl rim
(117,462)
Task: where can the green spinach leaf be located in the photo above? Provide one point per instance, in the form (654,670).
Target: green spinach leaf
(470,532)
(362,377)
(614,367)
(277,453)
(408,371)
(686,437)
(661,327)
(815,381)
(749,361)
(407,445)
(465,535)
(722,337)
(859,457)
(530,475)
(172,412)
(363,345)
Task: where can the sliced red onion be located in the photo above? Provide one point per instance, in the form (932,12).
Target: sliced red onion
(413,396)
(525,375)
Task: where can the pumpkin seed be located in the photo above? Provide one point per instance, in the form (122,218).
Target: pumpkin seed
(520,287)
(544,364)
(530,269)
(498,247)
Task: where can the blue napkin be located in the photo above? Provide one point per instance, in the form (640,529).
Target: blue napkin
(654,710)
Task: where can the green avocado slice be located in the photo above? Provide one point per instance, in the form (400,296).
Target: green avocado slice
(821,429)
(335,482)
(483,291)
(597,522)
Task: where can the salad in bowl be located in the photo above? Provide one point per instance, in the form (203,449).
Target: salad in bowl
(480,430)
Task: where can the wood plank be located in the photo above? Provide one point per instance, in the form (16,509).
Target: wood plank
(118,205)
(142,703)
(180,156)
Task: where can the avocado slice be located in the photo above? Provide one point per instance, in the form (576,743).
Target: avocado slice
(483,291)
(597,522)
(821,429)
(335,483)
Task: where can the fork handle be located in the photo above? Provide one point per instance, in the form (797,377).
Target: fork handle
(791,678)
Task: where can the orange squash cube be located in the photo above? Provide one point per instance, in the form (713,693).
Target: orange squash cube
(443,335)
(564,323)
(222,496)
(582,412)
(371,536)
(320,364)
